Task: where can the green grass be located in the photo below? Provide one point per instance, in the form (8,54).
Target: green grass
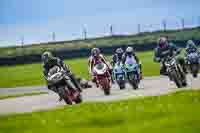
(174,113)
(142,38)
(21,95)
(31,74)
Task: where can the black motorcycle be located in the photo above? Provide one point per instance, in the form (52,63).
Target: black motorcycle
(175,71)
(58,78)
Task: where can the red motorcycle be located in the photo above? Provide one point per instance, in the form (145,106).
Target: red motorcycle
(103,78)
(63,86)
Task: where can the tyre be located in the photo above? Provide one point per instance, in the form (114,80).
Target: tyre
(133,81)
(79,99)
(134,84)
(65,95)
(184,84)
(107,92)
(195,75)
(176,79)
(121,85)
(194,70)
(105,85)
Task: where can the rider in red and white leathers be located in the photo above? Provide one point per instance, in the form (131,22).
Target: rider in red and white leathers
(96,58)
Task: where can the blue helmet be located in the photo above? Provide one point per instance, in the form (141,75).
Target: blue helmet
(190,44)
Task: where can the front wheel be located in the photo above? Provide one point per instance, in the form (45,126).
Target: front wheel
(134,84)
(107,92)
(132,78)
(176,79)
(105,85)
(121,84)
(195,75)
(194,70)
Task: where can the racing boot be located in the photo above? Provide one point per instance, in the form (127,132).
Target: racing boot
(163,71)
(112,79)
(183,76)
(75,82)
(52,88)
(140,66)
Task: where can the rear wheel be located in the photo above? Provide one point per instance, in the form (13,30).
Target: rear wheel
(65,95)
(78,99)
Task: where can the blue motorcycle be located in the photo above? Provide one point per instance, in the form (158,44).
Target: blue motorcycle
(119,74)
(193,63)
(132,73)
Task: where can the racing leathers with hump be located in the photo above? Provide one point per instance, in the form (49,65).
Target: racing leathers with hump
(191,47)
(165,49)
(117,57)
(130,54)
(192,58)
(49,61)
(97,58)
(117,63)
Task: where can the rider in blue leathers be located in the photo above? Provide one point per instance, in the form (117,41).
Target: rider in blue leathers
(130,54)
(191,47)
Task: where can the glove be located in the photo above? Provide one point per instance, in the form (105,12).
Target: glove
(75,82)
(157,59)
(53,88)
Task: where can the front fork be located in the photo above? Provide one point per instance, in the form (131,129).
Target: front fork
(106,76)
(182,73)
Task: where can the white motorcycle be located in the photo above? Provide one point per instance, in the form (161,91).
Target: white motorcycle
(103,77)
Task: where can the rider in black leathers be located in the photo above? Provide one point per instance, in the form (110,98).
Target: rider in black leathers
(165,49)
(49,61)
(117,57)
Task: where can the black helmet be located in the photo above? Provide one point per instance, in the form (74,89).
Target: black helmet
(46,56)
(95,52)
(119,51)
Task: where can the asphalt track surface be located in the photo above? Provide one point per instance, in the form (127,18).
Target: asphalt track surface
(149,86)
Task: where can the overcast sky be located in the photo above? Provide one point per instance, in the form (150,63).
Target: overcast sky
(37,19)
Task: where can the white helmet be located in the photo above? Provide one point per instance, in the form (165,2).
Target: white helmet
(129,50)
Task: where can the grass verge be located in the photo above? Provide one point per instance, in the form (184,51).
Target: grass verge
(174,113)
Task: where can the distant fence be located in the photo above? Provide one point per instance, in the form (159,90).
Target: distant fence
(85,52)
